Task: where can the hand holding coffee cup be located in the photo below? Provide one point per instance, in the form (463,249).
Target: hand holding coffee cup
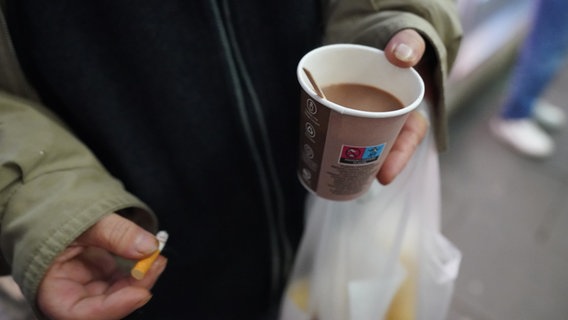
(407,49)
(345,138)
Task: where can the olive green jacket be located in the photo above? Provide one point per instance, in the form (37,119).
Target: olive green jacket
(52,187)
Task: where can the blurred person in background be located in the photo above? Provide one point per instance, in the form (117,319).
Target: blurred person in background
(525,117)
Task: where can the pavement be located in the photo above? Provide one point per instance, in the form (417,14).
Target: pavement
(508,214)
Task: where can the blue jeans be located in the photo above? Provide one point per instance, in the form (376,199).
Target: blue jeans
(542,55)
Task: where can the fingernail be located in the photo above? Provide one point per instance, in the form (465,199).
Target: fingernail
(403,52)
(146,243)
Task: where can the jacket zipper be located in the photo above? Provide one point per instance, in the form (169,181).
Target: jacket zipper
(272,194)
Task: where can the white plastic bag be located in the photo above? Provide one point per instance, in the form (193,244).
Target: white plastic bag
(381,256)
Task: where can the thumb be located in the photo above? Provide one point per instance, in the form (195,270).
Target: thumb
(405,48)
(120,236)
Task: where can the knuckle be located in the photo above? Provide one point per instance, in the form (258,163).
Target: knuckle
(115,232)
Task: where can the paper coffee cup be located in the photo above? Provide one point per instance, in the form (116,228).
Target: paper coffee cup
(342,148)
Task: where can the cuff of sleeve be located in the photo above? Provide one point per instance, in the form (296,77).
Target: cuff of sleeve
(60,236)
(45,230)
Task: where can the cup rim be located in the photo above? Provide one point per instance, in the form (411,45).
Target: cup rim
(350,111)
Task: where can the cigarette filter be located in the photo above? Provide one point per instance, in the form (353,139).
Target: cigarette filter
(142,266)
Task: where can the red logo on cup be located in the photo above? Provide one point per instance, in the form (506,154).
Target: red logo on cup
(352,153)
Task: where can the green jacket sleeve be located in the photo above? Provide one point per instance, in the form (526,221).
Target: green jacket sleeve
(374,22)
(52,189)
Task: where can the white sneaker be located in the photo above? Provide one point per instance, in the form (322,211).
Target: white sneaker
(549,116)
(524,135)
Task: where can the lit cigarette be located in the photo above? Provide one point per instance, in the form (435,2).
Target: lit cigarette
(144,265)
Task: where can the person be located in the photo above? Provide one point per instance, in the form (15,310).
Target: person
(525,116)
(116,115)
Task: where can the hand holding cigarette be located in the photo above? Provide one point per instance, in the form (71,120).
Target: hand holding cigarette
(66,291)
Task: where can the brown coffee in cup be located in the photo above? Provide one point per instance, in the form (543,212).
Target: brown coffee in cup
(361,97)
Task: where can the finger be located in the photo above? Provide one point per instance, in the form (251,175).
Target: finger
(121,299)
(121,237)
(60,297)
(406,48)
(116,305)
(410,136)
(149,279)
